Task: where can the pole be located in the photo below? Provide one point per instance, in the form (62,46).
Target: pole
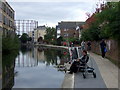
(79,33)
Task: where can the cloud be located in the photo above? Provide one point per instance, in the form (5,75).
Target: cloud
(51,0)
(52,12)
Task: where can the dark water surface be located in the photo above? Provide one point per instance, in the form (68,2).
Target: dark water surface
(34,68)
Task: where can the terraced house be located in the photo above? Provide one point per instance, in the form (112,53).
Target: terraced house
(69,29)
(7,25)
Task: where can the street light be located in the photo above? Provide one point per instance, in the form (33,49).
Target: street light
(78,28)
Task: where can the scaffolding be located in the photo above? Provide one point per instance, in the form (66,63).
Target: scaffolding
(25,26)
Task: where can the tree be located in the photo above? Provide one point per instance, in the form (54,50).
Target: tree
(106,25)
(24,38)
(30,39)
(10,44)
(50,35)
(109,18)
(59,40)
(92,33)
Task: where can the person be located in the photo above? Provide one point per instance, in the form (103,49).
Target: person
(83,60)
(74,53)
(83,45)
(103,47)
(89,46)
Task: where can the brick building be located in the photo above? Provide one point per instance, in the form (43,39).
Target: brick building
(69,29)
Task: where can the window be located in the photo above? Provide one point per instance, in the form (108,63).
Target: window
(9,23)
(66,35)
(3,6)
(65,29)
(3,19)
(58,28)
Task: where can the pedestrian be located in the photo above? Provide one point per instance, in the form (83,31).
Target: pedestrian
(103,48)
(88,45)
(74,53)
(83,45)
(72,44)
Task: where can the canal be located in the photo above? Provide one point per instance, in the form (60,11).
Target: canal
(34,67)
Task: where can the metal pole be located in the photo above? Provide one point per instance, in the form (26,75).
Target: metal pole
(23,26)
(19,27)
(67,38)
(79,33)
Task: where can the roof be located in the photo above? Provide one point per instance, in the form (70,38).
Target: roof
(91,19)
(69,24)
(41,27)
(7,5)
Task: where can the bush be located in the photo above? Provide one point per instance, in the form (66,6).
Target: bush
(59,40)
(24,38)
(10,44)
(106,24)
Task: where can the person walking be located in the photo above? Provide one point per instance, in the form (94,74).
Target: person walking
(74,54)
(88,45)
(103,48)
(83,45)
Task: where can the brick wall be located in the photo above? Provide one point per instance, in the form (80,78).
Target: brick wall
(112,47)
(72,33)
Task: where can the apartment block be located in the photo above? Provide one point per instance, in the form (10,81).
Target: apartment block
(7,25)
(69,29)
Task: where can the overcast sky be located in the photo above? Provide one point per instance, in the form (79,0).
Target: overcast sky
(51,12)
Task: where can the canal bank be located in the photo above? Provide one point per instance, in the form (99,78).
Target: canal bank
(106,71)
(52,46)
(107,74)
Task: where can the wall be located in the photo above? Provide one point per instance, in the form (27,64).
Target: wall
(7,19)
(112,47)
(39,33)
(71,32)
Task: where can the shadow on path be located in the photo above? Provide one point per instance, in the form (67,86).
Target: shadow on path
(90,81)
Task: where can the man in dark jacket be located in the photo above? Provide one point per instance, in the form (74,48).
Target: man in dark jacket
(103,47)
(74,66)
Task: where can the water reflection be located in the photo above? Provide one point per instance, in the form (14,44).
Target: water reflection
(8,66)
(31,56)
(41,61)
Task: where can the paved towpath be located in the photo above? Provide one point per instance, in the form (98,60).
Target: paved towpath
(106,71)
(90,81)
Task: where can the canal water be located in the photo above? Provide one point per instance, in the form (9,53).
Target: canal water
(35,67)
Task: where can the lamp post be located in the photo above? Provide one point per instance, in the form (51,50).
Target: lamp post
(67,38)
(78,28)
(79,33)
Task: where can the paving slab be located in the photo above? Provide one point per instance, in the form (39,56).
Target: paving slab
(90,81)
(108,70)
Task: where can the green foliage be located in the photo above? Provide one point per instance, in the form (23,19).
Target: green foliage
(72,39)
(92,33)
(106,25)
(50,35)
(59,40)
(85,36)
(8,63)
(111,15)
(24,38)
(10,44)
(30,39)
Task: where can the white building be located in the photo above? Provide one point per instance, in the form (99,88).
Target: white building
(39,32)
(58,31)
